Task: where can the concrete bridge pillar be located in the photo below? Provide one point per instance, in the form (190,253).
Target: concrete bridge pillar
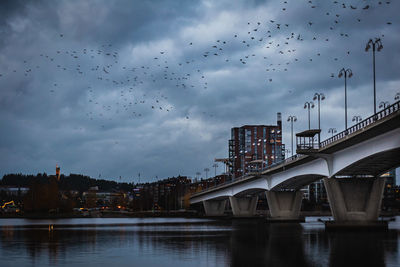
(355,199)
(214,207)
(284,205)
(243,206)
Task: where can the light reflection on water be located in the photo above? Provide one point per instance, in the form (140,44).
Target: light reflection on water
(190,242)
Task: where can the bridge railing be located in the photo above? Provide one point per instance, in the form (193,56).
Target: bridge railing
(359,126)
(252,173)
(311,145)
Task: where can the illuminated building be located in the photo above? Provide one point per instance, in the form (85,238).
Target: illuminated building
(254,147)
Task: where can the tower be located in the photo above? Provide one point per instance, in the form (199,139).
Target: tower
(58,172)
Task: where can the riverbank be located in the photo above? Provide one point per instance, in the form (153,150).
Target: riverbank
(164,214)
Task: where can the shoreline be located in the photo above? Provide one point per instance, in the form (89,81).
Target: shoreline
(162,214)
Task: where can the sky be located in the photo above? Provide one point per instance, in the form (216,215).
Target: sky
(114,89)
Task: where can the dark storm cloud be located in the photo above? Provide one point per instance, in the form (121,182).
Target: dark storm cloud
(114,88)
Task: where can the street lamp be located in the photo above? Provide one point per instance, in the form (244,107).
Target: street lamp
(357,119)
(287,151)
(320,97)
(384,104)
(375,44)
(215,166)
(206,170)
(345,73)
(332,131)
(292,119)
(309,105)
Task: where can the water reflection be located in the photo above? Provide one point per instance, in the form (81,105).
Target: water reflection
(360,249)
(263,244)
(195,243)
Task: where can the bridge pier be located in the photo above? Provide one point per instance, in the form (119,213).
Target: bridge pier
(243,206)
(214,207)
(284,205)
(355,202)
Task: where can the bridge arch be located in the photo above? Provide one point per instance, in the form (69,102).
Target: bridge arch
(254,186)
(314,169)
(250,191)
(379,149)
(297,182)
(381,162)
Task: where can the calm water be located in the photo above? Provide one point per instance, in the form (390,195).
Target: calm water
(190,242)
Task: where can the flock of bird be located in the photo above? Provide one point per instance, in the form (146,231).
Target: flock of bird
(277,44)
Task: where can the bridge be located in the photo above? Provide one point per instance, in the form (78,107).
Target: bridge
(350,163)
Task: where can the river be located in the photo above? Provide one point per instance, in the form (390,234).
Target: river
(191,242)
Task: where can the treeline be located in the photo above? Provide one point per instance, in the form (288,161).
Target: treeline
(76,182)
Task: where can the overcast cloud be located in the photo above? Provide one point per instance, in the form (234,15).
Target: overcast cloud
(117,88)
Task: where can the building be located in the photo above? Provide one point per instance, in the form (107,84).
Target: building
(391,191)
(316,192)
(255,147)
(14,190)
(162,195)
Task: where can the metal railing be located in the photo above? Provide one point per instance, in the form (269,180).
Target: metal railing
(361,125)
(305,146)
(355,128)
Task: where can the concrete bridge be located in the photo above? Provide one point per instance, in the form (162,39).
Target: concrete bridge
(350,164)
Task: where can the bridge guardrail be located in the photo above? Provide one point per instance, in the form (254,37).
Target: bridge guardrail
(290,159)
(359,126)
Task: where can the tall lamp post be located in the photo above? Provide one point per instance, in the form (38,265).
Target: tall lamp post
(346,73)
(377,44)
(287,151)
(215,166)
(292,119)
(332,131)
(309,105)
(384,104)
(357,119)
(319,97)
(206,170)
